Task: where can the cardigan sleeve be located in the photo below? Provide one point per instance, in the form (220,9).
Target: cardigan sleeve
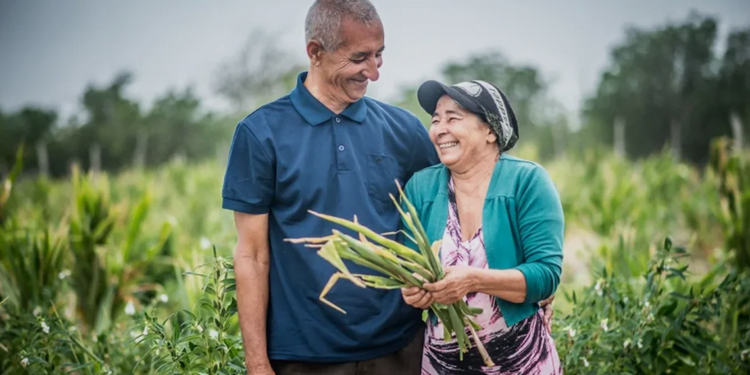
(541,228)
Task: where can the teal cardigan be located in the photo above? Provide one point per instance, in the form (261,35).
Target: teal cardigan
(522,222)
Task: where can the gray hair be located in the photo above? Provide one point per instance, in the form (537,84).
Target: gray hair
(323,21)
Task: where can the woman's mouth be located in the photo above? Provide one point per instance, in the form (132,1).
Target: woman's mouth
(447,145)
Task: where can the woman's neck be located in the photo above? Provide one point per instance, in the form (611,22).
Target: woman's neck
(475,180)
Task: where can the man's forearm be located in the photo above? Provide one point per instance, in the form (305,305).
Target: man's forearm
(251,277)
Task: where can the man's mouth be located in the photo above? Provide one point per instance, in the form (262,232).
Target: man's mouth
(447,145)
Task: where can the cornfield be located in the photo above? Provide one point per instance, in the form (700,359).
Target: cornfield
(132,273)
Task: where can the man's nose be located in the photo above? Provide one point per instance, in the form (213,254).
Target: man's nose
(371,72)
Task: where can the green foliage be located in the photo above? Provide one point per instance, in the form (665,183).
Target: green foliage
(660,323)
(201,340)
(31,265)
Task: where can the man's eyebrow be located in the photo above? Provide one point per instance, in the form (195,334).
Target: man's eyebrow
(362,54)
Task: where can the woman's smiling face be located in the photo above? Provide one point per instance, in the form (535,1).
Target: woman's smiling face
(461,138)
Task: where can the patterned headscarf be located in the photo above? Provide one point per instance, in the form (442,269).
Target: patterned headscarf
(481,98)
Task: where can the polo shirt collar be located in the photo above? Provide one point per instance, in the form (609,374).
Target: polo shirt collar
(315,113)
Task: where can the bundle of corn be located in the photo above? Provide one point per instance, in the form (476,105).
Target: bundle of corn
(401,266)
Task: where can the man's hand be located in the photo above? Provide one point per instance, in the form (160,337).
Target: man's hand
(457,283)
(417,297)
(548,311)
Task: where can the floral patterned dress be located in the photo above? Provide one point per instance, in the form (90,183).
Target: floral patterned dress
(525,348)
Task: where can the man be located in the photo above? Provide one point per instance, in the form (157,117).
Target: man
(327,148)
(324,147)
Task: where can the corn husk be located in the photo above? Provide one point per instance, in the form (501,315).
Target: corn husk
(400,266)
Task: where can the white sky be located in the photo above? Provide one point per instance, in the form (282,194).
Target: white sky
(50,50)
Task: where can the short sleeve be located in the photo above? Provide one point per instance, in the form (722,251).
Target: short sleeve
(250,175)
(423,153)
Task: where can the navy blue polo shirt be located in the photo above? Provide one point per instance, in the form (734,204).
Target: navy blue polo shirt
(294,155)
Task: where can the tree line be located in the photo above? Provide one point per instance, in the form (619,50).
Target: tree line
(663,87)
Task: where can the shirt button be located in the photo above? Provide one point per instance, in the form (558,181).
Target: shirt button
(341,148)
(338,120)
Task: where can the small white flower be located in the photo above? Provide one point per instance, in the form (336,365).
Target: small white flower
(598,285)
(571,331)
(199,328)
(24,362)
(625,300)
(650,317)
(646,304)
(45,327)
(164,298)
(604,325)
(129,308)
(212,333)
(37,311)
(585,362)
(205,243)
(63,274)
(626,343)
(640,344)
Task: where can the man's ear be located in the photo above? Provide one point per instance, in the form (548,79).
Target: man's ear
(315,52)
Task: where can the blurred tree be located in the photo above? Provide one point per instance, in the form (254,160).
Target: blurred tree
(542,121)
(30,125)
(669,89)
(260,72)
(176,126)
(113,122)
(734,77)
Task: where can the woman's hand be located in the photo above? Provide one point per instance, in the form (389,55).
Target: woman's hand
(457,283)
(417,297)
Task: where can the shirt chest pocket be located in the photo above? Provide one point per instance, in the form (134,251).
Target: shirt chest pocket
(382,172)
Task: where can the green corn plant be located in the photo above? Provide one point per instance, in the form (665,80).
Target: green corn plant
(400,267)
(91,223)
(7,183)
(31,266)
(110,262)
(733,183)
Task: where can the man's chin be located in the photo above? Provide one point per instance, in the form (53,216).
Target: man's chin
(356,94)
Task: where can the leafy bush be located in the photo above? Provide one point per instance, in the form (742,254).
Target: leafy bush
(661,323)
(204,340)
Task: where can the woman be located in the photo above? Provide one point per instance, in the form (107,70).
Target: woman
(501,224)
